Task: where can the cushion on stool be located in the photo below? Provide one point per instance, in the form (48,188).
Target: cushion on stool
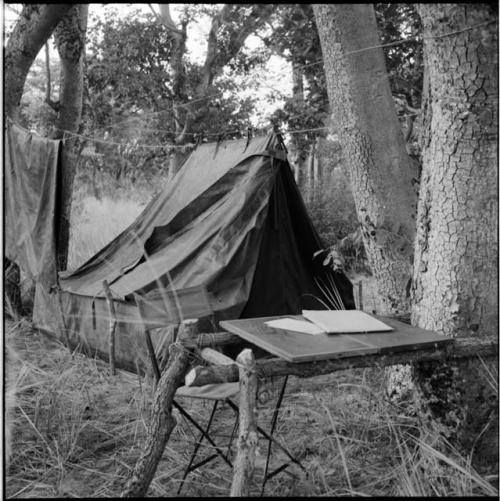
(218,391)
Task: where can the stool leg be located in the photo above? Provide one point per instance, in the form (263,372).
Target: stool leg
(209,439)
(273,425)
(197,446)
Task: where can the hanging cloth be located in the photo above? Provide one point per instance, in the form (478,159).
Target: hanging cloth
(30,198)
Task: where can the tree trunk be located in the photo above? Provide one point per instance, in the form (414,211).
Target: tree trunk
(70,41)
(372,143)
(317,169)
(455,286)
(300,165)
(310,174)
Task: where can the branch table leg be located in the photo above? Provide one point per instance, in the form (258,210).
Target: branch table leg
(247,439)
(162,422)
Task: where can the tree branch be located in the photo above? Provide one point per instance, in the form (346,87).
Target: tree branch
(216,58)
(167,20)
(34,27)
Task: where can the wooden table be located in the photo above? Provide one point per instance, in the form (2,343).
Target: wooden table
(299,347)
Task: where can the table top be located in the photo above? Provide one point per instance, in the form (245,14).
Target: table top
(299,347)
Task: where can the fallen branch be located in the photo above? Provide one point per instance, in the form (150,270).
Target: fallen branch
(461,348)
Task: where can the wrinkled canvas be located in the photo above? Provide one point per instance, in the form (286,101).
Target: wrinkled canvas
(231,223)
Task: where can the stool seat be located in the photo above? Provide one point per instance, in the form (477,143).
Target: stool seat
(216,391)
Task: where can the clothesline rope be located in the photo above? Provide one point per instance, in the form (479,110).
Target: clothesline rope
(68,135)
(116,143)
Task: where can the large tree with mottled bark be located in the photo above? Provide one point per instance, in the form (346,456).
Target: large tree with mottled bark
(36,23)
(373,145)
(455,286)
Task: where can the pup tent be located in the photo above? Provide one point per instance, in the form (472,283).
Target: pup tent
(231,222)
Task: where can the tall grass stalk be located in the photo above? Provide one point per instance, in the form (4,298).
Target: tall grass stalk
(95,223)
(340,448)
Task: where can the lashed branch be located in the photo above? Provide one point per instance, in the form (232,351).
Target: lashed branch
(461,348)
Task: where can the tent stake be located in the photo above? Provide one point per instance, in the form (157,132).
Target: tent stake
(65,330)
(112,326)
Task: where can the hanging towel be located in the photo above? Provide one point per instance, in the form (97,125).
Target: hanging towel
(30,198)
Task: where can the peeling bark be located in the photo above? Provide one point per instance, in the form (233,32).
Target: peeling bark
(372,143)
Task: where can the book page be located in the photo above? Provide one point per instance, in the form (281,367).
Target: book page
(291,324)
(345,321)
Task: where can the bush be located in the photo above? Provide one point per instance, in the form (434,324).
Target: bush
(331,207)
(329,201)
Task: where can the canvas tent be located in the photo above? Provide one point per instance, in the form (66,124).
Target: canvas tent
(231,221)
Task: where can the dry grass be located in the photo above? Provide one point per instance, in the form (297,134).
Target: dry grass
(96,222)
(78,432)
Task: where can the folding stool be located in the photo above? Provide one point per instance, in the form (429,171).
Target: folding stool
(217,393)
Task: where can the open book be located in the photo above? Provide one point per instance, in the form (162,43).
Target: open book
(345,321)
